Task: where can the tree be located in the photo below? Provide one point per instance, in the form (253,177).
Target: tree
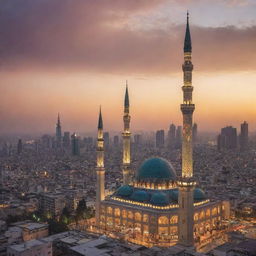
(81,210)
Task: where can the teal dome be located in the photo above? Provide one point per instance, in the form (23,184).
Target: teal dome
(174,193)
(159,198)
(199,194)
(125,191)
(140,196)
(156,168)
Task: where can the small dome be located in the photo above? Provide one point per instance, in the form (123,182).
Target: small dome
(140,196)
(125,191)
(156,168)
(199,194)
(159,198)
(174,194)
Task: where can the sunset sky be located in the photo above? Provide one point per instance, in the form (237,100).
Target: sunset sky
(70,56)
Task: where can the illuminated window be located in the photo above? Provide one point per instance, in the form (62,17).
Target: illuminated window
(137,216)
(102,218)
(196,215)
(117,221)
(109,210)
(130,215)
(102,209)
(163,220)
(214,211)
(145,218)
(117,212)
(202,215)
(109,221)
(124,213)
(145,229)
(208,213)
(173,230)
(174,219)
(163,230)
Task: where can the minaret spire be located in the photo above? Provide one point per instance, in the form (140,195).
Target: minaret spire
(127,173)
(186,183)
(100,170)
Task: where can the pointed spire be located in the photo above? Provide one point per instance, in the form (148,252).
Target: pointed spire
(58,119)
(187,42)
(100,123)
(126,99)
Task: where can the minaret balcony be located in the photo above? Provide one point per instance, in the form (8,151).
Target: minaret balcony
(187,108)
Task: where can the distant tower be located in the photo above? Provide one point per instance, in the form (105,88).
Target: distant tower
(178,137)
(244,138)
(100,170)
(58,132)
(171,136)
(186,183)
(160,138)
(127,173)
(19,147)
(75,145)
(194,133)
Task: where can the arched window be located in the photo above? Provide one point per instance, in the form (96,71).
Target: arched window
(202,214)
(124,213)
(174,219)
(117,212)
(137,216)
(109,210)
(196,216)
(130,215)
(163,220)
(145,218)
(214,211)
(208,213)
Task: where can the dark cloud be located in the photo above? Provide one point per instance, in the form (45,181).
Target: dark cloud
(96,36)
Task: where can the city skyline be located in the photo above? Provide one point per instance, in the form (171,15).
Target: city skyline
(41,75)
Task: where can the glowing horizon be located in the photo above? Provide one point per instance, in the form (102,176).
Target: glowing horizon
(79,59)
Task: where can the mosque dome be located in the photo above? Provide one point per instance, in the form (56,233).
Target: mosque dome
(159,199)
(140,196)
(125,191)
(156,169)
(199,194)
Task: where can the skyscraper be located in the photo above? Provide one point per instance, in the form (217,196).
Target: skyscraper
(244,136)
(160,138)
(186,183)
(19,147)
(227,139)
(116,140)
(178,138)
(194,133)
(58,132)
(75,145)
(66,140)
(106,139)
(171,136)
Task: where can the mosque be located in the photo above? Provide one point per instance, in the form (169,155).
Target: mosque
(157,208)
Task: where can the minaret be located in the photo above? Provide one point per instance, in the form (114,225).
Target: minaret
(186,183)
(58,132)
(100,170)
(127,174)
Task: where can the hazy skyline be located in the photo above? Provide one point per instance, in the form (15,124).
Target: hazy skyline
(71,56)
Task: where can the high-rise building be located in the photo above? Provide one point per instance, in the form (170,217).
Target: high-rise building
(116,140)
(227,139)
(194,133)
(75,145)
(19,147)
(106,139)
(171,137)
(244,138)
(137,139)
(66,139)
(178,138)
(58,132)
(160,138)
